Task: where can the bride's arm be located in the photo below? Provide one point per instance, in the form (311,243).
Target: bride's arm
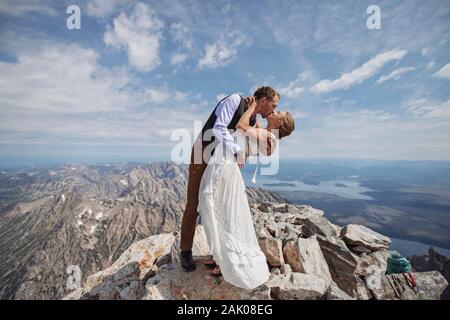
(244,121)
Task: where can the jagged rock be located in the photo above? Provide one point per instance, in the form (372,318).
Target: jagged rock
(335,293)
(85,216)
(257,195)
(373,263)
(200,245)
(430,286)
(172,283)
(317,226)
(357,235)
(272,228)
(289,232)
(431,261)
(286,268)
(262,233)
(305,255)
(273,251)
(175,249)
(362,291)
(341,262)
(74,295)
(337,228)
(305,210)
(124,284)
(361,250)
(136,263)
(321,266)
(298,286)
(310,219)
(273,207)
(275,271)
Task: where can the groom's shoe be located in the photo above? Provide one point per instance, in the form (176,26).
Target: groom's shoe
(187,262)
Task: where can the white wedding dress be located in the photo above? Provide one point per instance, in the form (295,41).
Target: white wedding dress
(226,218)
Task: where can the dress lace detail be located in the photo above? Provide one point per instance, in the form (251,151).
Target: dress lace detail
(228,223)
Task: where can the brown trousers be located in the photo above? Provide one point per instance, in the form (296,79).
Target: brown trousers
(190,215)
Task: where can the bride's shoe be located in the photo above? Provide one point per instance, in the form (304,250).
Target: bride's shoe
(216,272)
(210,263)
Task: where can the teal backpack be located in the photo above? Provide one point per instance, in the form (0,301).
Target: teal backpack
(396,263)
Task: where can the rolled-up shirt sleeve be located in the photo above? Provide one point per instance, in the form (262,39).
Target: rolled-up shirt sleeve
(225,112)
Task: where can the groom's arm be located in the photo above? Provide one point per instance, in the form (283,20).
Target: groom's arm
(225,112)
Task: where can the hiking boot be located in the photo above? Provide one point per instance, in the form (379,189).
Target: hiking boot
(187,262)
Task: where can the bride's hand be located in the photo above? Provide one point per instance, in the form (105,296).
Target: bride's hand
(251,102)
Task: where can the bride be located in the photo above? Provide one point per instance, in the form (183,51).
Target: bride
(223,204)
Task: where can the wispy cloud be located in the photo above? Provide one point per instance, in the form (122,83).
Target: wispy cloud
(103,8)
(360,74)
(443,73)
(426,108)
(394,75)
(21,7)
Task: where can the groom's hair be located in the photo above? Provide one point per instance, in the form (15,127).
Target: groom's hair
(267,92)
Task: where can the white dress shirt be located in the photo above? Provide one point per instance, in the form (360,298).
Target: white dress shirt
(224,113)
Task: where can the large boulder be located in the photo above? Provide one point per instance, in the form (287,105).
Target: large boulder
(200,245)
(289,231)
(429,286)
(298,286)
(359,236)
(342,264)
(148,253)
(335,293)
(125,277)
(305,255)
(273,251)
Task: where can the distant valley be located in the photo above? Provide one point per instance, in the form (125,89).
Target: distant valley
(409,201)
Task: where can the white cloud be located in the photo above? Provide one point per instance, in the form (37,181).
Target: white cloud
(444,72)
(161,95)
(396,74)
(296,87)
(178,58)
(21,7)
(292,90)
(139,34)
(431,65)
(369,134)
(103,8)
(223,51)
(360,74)
(59,94)
(61,78)
(425,51)
(181,34)
(425,108)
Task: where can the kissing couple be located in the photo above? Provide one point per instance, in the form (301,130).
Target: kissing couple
(216,188)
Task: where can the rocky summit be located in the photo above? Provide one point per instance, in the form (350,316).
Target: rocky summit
(309,258)
(60,224)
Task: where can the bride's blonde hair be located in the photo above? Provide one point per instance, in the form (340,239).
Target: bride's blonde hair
(287,126)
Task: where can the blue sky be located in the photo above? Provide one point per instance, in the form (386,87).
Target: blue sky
(138,70)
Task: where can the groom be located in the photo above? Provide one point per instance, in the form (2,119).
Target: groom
(224,117)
